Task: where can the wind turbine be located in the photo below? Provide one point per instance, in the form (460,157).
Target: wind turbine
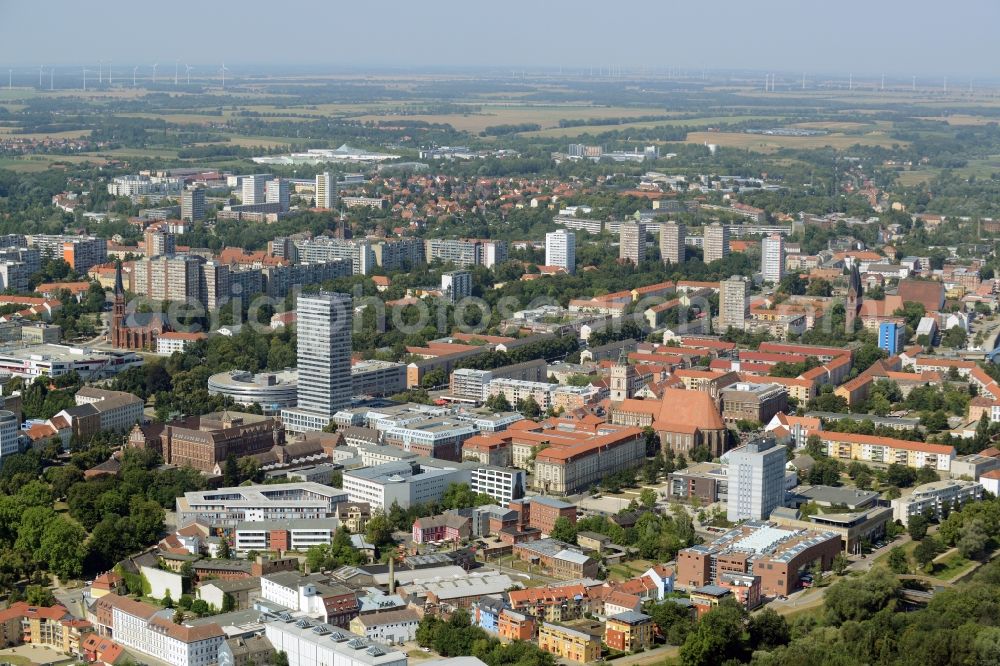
(224,76)
(187,69)
(176,63)
(155,65)
(134,70)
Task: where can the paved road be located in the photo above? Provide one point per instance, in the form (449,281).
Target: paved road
(865,564)
(655,656)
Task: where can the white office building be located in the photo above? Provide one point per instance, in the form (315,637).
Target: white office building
(401,482)
(756,480)
(228,507)
(502,483)
(324,358)
(772,258)
(560,249)
(307,643)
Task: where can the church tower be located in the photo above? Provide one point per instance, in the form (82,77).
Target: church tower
(623,378)
(118,329)
(854,299)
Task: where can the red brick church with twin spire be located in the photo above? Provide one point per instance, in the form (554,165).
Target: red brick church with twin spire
(123,336)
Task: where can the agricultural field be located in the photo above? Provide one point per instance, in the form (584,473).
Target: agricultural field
(571,132)
(770,144)
(545,116)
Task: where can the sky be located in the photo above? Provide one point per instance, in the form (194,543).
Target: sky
(897,37)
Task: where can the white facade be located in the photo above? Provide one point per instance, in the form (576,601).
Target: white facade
(302,534)
(560,249)
(936,498)
(253,189)
(734,303)
(716,242)
(56,360)
(382,485)
(281,501)
(326,190)
(167,343)
(772,258)
(158,637)
(8,434)
(278,191)
(756,480)
(324,360)
(672,239)
(502,483)
(163,582)
(456,285)
(308,645)
(494,252)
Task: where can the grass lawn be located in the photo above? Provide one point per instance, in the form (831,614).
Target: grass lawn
(418,654)
(908,548)
(949,566)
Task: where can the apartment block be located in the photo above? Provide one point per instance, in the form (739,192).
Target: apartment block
(672,242)
(175,278)
(938,498)
(716,242)
(632,242)
(734,303)
(629,631)
(398,253)
(193,204)
(568,643)
(326,190)
(560,250)
(456,285)
(886,450)
(80,252)
(772,258)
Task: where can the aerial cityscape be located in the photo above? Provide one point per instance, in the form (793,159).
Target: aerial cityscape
(462,336)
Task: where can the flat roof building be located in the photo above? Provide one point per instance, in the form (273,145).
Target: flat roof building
(937,498)
(228,507)
(777,555)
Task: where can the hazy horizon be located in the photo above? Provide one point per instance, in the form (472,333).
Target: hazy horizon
(866,38)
